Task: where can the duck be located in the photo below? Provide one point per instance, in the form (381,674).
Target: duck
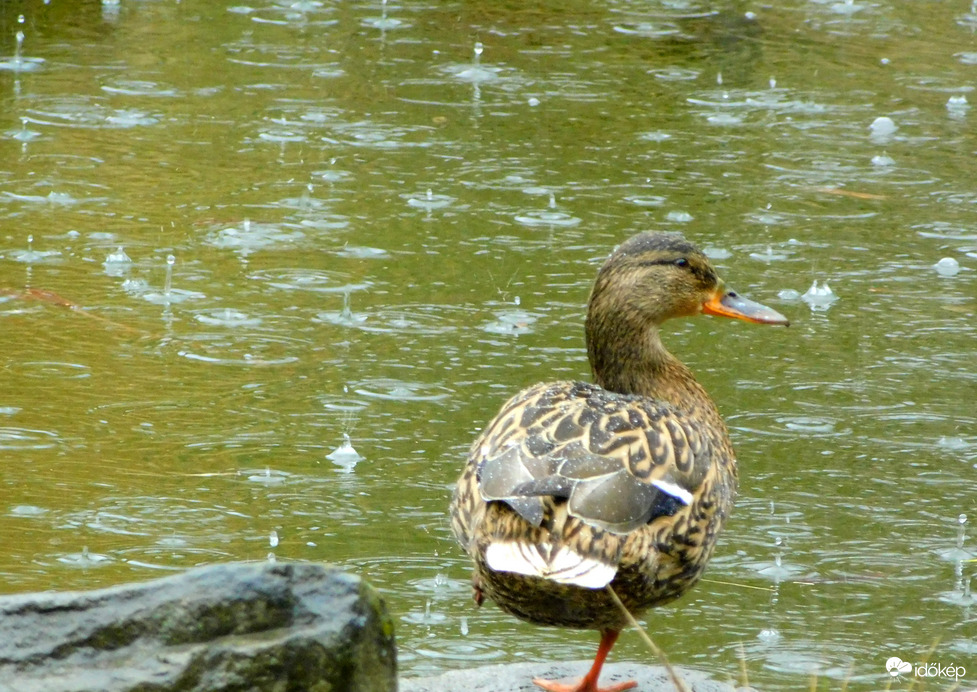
(577,492)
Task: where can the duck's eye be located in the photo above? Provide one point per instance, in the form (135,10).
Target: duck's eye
(681,262)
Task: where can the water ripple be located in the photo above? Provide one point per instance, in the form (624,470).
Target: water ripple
(53,370)
(399,390)
(252,350)
(25,438)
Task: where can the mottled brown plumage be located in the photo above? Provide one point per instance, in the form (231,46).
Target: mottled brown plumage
(574,488)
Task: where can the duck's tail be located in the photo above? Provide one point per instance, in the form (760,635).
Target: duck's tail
(557,563)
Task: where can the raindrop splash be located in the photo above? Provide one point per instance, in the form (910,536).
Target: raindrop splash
(947,267)
(170,295)
(882,128)
(117,263)
(429,201)
(957,107)
(168,284)
(476,73)
(383,22)
(345,455)
(30,255)
(17,62)
(24,134)
(820,298)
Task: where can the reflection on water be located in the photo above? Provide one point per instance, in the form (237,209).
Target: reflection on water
(384,219)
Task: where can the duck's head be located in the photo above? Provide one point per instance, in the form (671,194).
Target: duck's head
(653,277)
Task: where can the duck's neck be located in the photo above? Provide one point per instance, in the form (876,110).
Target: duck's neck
(629,361)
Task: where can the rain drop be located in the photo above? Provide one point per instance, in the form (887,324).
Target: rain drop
(819,297)
(883,126)
(345,455)
(947,267)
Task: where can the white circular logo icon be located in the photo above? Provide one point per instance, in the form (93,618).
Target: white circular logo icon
(896,665)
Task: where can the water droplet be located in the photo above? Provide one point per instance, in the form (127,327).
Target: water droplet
(117,263)
(883,126)
(947,266)
(268,477)
(168,284)
(716,253)
(819,297)
(119,256)
(961,532)
(548,217)
(679,216)
(769,255)
(345,455)
(957,103)
(429,201)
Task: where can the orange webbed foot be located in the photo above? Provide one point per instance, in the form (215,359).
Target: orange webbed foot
(582,685)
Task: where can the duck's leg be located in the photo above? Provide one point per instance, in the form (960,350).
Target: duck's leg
(477,594)
(588,683)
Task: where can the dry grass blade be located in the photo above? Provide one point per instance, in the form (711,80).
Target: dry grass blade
(737,585)
(676,680)
(744,677)
(848,675)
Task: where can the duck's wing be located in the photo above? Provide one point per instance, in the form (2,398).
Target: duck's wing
(619,461)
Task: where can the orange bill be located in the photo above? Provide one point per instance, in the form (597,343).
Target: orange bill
(730,304)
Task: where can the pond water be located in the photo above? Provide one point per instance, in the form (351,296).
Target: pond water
(265,270)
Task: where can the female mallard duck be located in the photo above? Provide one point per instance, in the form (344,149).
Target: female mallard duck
(575,489)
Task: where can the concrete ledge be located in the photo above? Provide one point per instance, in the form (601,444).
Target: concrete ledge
(518,677)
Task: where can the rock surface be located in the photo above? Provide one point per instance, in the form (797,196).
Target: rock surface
(248,627)
(519,678)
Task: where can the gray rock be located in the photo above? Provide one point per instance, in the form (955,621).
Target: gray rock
(518,677)
(233,627)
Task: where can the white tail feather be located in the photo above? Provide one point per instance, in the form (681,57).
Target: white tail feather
(675,490)
(563,565)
